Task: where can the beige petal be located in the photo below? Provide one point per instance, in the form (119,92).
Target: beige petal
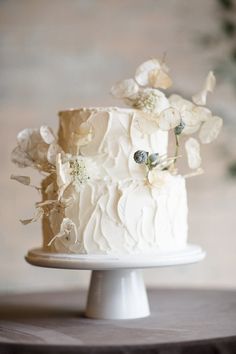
(191,120)
(180,103)
(202,113)
(47,134)
(200,98)
(169,119)
(210,129)
(21,179)
(192,147)
(38,214)
(124,89)
(20,158)
(158,78)
(52,152)
(143,71)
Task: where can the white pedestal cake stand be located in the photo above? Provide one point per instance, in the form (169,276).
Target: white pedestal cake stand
(117,290)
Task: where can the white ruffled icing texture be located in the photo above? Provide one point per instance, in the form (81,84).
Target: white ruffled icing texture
(116,138)
(127,217)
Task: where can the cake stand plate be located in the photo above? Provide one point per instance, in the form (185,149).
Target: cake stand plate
(117,289)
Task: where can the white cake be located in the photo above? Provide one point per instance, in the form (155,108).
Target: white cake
(117,211)
(112,184)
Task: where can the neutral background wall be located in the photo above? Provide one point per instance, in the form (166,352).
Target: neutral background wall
(57,54)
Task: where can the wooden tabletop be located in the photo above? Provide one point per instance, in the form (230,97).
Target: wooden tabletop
(54,323)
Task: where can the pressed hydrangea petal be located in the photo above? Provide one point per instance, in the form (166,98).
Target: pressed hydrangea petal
(125,88)
(52,152)
(142,72)
(68,232)
(192,147)
(21,179)
(210,129)
(202,113)
(20,158)
(47,134)
(38,214)
(169,119)
(200,98)
(158,78)
(158,178)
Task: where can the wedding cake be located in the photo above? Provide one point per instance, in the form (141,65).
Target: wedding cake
(110,184)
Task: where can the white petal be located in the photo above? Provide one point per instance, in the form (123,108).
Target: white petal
(124,89)
(180,103)
(200,98)
(20,158)
(52,152)
(142,72)
(38,214)
(192,147)
(67,234)
(191,120)
(210,129)
(47,134)
(21,179)
(169,119)
(158,78)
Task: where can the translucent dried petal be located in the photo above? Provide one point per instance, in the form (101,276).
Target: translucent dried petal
(202,113)
(47,134)
(143,71)
(52,152)
(20,158)
(169,119)
(67,233)
(38,214)
(180,103)
(158,78)
(200,98)
(192,147)
(191,120)
(125,88)
(210,129)
(21,179)
(31,142)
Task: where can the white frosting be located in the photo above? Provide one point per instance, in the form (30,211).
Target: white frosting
(128,217)
(120,212)
(116,138)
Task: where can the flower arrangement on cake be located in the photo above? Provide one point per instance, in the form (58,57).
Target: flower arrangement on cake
(109,186)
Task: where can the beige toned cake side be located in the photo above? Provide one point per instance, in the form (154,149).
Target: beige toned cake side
(117,211)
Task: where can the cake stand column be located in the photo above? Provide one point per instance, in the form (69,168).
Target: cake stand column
(117,294)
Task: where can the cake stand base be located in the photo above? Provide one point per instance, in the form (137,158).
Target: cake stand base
(117,294)
(117,289)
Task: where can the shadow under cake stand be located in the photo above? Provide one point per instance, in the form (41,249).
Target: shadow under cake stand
(117,289)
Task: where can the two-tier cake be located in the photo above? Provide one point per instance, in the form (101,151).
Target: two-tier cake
(111,186)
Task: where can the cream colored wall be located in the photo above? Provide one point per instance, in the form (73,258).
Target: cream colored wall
(58,54)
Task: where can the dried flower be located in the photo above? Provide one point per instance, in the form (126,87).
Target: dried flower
(192,147)
(140,157)
(154,74)
(200,98)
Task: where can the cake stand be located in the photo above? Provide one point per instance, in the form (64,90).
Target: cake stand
(117,289)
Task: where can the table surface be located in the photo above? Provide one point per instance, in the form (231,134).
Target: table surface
(54,323)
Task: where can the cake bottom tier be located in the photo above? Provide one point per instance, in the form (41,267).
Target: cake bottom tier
(126,217)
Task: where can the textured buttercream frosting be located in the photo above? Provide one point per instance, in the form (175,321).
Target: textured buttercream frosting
(117,211)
